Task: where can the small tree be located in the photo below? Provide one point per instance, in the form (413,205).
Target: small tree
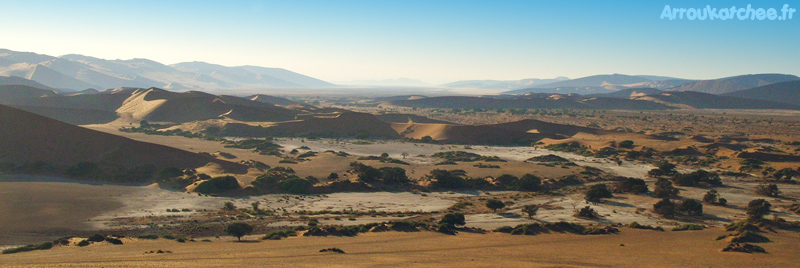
(239,229)
(631,185)
(229,206)
(786,174)
(597,192)
(770,190)
(665,208)
(757,208)
(711,197)
(255,206)
(452,220)
(333,176)
(530,210)
(664,189)
(691,207)
(587,212)
(663,168)
(404,155)
(495,204)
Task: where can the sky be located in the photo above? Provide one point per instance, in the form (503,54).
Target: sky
(432,41)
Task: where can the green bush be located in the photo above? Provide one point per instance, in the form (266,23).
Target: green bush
(688,227)
(148,236)
(218,185)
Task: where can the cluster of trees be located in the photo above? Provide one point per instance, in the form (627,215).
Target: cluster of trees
(667,208)
(283,179)
(385,175)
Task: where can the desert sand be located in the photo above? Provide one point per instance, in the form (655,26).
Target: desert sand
(630,248)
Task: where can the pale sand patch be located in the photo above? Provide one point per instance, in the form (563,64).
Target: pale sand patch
(513,153)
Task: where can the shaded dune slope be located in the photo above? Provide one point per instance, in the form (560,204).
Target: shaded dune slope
(28,138)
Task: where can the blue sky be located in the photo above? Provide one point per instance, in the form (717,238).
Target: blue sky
(433,41)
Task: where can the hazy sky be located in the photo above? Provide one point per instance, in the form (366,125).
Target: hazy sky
(433,41)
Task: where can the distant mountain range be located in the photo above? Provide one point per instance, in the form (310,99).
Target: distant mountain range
(504,84)
(601,84)
(628,99)
(78,72)
(734,83)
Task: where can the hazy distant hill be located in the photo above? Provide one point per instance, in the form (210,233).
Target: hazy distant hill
(627,93)
(78,72)
(16,80)
(784,92)
(271,77)
(701,100)
(525,102)
(734,83)
(504,84)
(14,93)
(595,84)
(598,81)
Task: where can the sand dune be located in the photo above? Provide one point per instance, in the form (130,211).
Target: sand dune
(27,138)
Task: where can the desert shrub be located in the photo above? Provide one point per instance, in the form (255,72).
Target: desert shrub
(599,230)
(495,204)
(664,189)
(148,236)
(597,192)
(447,179)
(665,208)
(631,185)
(453,219)
(96,238)
(697,177)
(460,205)
(663,168)
(218,185)
(296,186)
(748,236)
(335,250)
(770,190)
(746,248)
(238,229)
(711,197)
(749,164)
(587,212)
(756,209)
(531,210)
(394,176)
(504,229)
(307,154)
(636,225)
(786,174)
(265,146)
(688,227)
(626,144)
(114,241)
(529,182)
(278,235)
(742,226)
(691,207)
(572,147)
(84,243)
